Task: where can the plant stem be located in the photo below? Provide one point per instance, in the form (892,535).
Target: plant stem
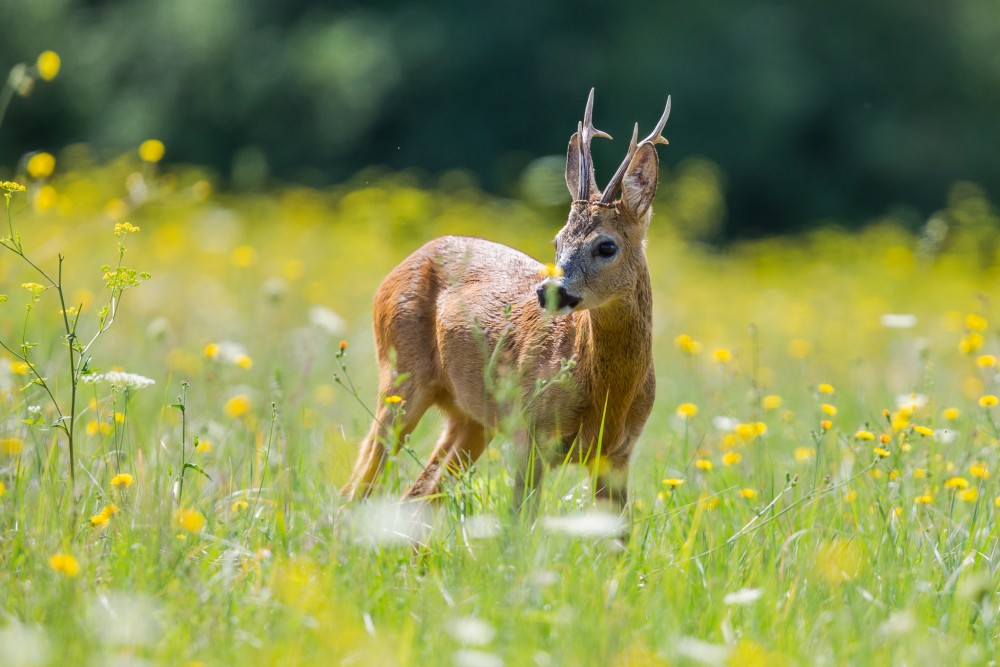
(70,339)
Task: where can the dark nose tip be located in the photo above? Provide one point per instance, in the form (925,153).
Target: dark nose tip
(560,296)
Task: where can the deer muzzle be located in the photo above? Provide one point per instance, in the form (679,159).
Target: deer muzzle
(553,297)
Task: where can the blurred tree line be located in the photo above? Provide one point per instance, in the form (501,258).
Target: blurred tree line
(812,111)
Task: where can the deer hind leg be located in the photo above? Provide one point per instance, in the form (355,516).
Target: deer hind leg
(373,453)
(461,443)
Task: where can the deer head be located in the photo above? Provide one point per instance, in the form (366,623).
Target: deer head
(600,248)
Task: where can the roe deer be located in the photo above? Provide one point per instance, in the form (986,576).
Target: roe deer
(461,309)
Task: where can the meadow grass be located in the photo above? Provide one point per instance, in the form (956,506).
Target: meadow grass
(824,424)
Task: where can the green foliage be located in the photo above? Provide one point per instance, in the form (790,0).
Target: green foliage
(213,533)
(838,111)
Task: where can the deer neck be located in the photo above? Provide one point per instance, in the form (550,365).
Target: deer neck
(613,343)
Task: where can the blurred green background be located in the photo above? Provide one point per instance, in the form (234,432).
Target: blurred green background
(809,112)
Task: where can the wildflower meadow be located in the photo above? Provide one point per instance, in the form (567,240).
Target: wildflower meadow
(187,373)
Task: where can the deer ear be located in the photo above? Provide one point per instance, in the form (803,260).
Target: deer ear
(639,182)
(573,166)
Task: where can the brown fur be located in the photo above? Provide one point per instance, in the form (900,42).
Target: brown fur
(460,314)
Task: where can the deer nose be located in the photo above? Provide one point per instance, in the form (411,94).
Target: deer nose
(562,298)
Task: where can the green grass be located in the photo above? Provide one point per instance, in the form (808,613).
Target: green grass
(810,549)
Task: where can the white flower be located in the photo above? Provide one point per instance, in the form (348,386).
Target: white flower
(586,524)
(471,631)
(910,401)
(945,436)
(227,351)
(724,423)
(744,596)
(898,321)
(120,379)
(327,320)
(471,658)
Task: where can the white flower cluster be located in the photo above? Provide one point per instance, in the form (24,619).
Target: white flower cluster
(121,379)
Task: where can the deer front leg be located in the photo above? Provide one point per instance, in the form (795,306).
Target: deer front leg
(612,483)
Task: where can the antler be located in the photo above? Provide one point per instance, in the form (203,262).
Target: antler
(655,137)
(586,132)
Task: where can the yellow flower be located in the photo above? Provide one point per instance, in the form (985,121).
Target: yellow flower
(803,454)
(956,483)
(688,345)
(969,495)
(749,494)
(10,187)
(34,288)
(885,438)
(237,406)
(211,350)
(864,435)
(3,489)
(243,361)
(123,228)
(673,482)
(243,256)
(970,342)
(703,464)
(986,361)
(722,355)
(190,520)
(46,199)
(975,322)
(41,165)
(850,496)
(151,150)
(687,410)
(825,388)
(750,431)
(771,402)
(550,271)
(103,517)
(924,431)
(997,501)
(11,446)
(708,502)
(828,410)
(979,470)
(203,447)
(919,473)
(394,399)
(988,401)
(925,499)
(838,560)
(799,348)
(65,564)
(122,479)
(240,505)
(826,424)
(48,65)
(881,452)
(899,420)
(950,414)
(731,458)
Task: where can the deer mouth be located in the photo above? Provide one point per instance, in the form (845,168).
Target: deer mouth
(557,299)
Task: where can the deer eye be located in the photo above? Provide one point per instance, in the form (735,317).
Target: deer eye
(607,249)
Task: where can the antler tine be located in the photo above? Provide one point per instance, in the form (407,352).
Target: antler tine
(609,192)
(654,138)
(587,131)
